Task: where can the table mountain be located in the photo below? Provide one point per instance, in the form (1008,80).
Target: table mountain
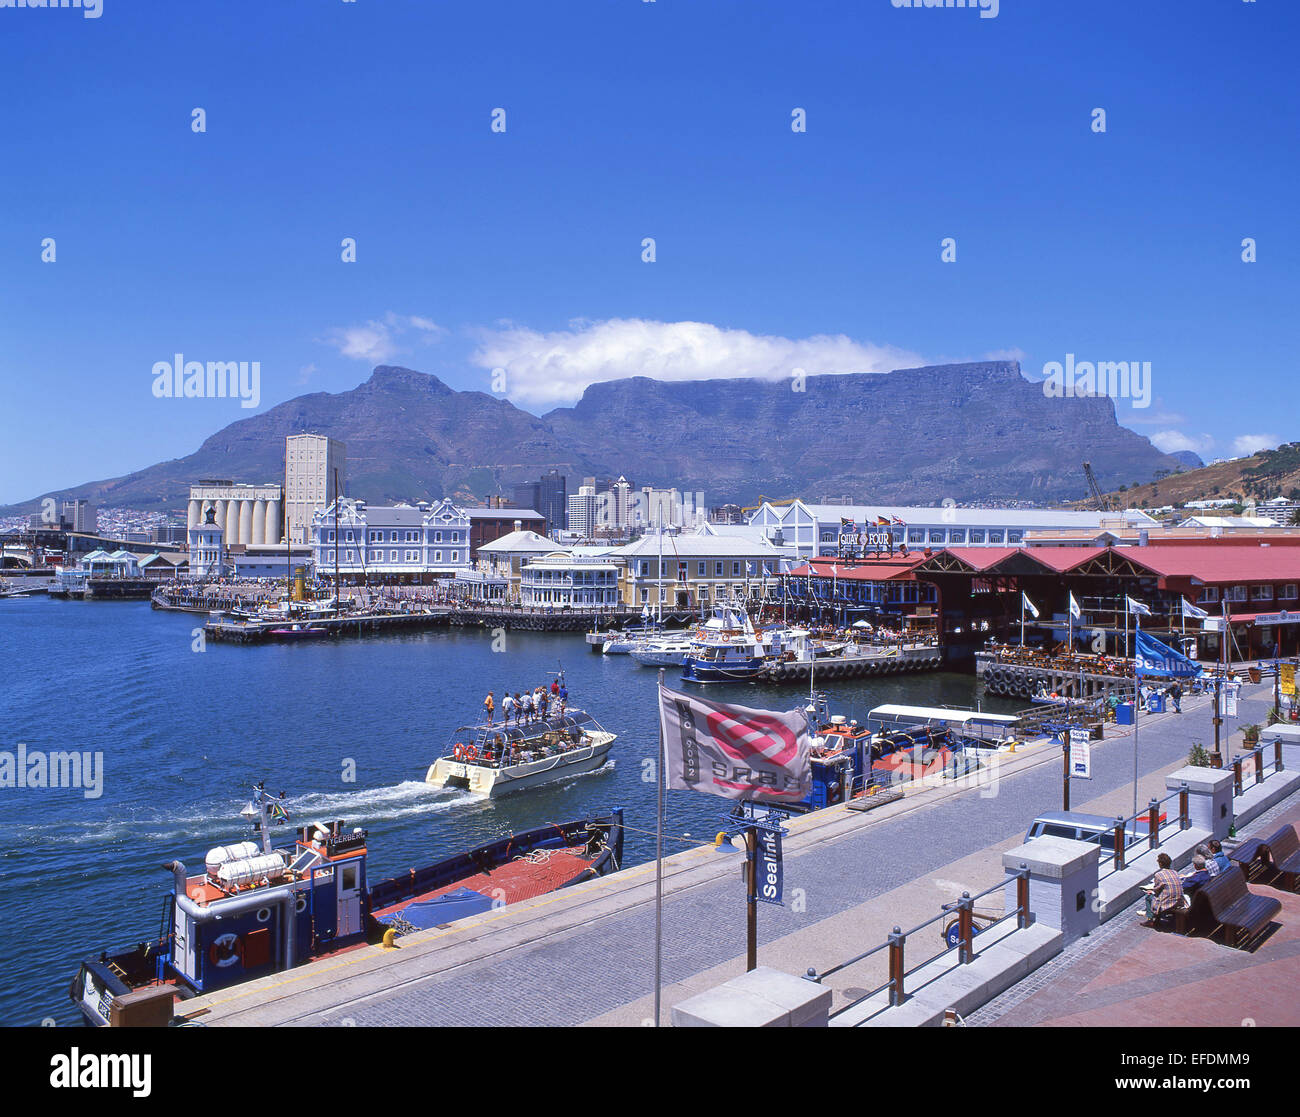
(914,436)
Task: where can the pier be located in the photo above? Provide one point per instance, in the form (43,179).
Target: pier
(584,955)
(373,622)
(105,589)
(1016,677)
(355,624)
(876,661)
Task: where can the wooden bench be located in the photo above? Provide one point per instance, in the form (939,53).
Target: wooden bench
(1278,855)
(1225,901)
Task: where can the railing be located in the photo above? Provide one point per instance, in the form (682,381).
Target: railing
(1257,762)
(1121,838)
(896,942)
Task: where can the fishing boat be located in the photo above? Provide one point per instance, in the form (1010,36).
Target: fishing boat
(491,760)
(256,910)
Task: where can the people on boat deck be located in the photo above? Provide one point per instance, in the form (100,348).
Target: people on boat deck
(488,706)
(507,707)
(525,706)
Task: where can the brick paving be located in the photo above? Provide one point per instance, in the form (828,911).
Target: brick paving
(587,970)
(1129,975)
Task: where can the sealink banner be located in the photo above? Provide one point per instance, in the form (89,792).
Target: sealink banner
(1155,658)
(734,751)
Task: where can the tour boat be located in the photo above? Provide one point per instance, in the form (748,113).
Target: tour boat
(491,760)
(256,910)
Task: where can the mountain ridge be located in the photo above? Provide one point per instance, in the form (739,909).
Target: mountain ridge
(975,431)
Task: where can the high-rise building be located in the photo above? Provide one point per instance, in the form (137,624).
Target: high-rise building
(81,515)
(552,499)
(581,508)
(548,495)
(310,461)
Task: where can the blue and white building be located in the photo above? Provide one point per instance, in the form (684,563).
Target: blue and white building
(814,529)
(401,543)
(562,580)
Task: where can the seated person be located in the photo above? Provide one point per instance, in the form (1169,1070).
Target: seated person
(1197,877)
(1218,862)
(1166,892)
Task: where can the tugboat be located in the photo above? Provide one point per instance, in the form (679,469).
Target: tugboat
(256,910)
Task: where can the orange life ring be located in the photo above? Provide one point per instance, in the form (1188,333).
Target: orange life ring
(471,753)
(459,751)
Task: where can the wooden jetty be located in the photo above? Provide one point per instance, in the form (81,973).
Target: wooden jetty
(1024,680)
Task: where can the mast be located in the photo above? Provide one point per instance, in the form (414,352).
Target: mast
(659,605)
(337,600)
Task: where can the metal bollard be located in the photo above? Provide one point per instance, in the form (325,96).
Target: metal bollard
(965,928)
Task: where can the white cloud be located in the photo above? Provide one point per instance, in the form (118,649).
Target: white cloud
(1171,441)
(1013,354)
(554,368)
(1253,443)
(379,340)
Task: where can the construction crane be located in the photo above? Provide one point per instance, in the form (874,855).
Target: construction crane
(1103,505)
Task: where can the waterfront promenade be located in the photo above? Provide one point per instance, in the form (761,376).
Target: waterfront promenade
(585,955)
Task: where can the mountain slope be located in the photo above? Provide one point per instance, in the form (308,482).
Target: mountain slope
(969,432)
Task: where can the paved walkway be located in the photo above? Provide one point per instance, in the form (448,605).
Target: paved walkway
(586,954)
(1128,975)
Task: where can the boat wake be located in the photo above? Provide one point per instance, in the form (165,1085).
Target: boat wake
(358,807)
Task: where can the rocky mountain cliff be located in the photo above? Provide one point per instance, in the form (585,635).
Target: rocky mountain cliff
(915,436)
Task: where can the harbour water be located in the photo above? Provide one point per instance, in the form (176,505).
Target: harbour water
(347,728)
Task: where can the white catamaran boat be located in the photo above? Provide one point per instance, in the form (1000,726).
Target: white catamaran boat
(494,760)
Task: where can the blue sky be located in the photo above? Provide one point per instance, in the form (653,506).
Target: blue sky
(624,120)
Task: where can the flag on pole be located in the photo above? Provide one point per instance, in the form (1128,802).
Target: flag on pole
(734,751)
(1075,611)
(1029,605)
(1190,610)
(1137,607)
(896,520)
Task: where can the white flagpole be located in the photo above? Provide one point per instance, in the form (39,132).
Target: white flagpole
(1022,618)
(1137,714)
(659,857)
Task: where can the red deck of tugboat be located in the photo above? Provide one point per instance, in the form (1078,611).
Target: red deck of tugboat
(516,880)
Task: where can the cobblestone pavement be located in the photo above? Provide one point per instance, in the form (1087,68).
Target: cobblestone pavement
(607,963)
